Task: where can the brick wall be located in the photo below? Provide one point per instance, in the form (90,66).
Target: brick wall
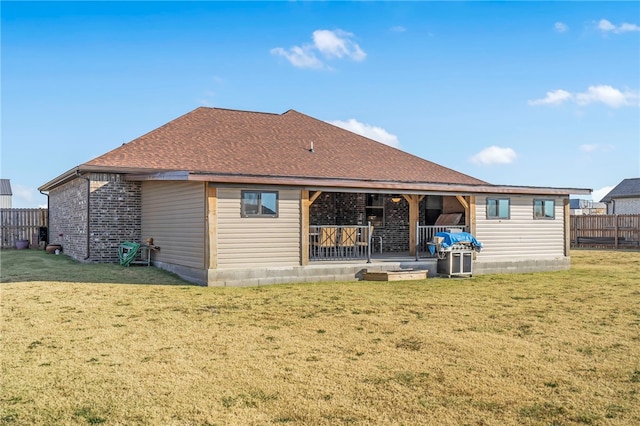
(114,216)
(625,206)
(68,218)
(395,234)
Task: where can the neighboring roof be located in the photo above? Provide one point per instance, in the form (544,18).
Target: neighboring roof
(628,188)
(230,146)
(5,187)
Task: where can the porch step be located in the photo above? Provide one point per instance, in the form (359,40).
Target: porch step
(400,275)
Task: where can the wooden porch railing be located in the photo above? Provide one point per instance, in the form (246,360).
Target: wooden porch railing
(340,242)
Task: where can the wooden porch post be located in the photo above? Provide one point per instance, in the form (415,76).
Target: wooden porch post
(472,215)
(305,203)
(304,227)
(414,217)
(567,227)
(212,226)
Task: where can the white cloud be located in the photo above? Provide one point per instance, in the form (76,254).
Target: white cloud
(589,147)
(607,27)
(335,44)
(398,29)
(494,155)
(604,94)
(555,97)
(599,194)
(607,95)
(561,27)
(299,57)
(372,132)
(594,147)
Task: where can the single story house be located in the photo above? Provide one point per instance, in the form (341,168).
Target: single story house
(624,198)
(236,197)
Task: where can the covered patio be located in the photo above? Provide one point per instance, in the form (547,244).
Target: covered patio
(342,226)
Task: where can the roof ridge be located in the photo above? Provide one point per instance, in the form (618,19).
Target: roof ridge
(239,110)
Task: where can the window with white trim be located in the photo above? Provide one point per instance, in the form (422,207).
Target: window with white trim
(544,209)
(498,208)
(259,204)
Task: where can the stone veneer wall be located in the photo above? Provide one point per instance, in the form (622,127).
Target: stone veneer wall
(114,216)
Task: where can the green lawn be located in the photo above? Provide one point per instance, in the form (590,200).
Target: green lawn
(558,348)
(37,265)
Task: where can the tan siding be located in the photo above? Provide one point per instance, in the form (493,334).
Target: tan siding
(520,237)
(173,214)
(258,242)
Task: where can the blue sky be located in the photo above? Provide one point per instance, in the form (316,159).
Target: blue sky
(515,93)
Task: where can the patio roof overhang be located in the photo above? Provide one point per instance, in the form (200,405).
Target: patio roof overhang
(349,185)
(314,183)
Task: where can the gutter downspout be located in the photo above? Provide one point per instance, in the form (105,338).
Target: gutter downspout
(88,213)
(48,222)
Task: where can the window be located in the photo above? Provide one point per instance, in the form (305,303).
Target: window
(374,209)
(498,208)
(259,204)
(544,209)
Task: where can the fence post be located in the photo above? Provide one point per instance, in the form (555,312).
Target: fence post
(615,230)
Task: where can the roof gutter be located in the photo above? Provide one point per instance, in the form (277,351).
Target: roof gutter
(48,210)
(327,184)
(83,168)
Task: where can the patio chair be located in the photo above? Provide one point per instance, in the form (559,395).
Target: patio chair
(348,237)
(327,240)
(363,239)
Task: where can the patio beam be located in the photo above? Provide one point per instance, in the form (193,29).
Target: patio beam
(414,217)
(305,202)
(314,197)
(462,201)
(212,224)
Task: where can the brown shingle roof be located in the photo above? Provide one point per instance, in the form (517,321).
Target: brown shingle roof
(221,141)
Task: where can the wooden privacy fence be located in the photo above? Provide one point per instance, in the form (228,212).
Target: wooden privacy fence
(606,231)
(22,224)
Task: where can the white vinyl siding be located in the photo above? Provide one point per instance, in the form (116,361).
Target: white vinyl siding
(521,236)
(258,241)
(173,214)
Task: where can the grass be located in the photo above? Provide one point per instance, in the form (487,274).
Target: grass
(559,348)
(37,265)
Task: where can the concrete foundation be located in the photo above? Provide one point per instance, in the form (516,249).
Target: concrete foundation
(317,271)
(521,266)
(350,271)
